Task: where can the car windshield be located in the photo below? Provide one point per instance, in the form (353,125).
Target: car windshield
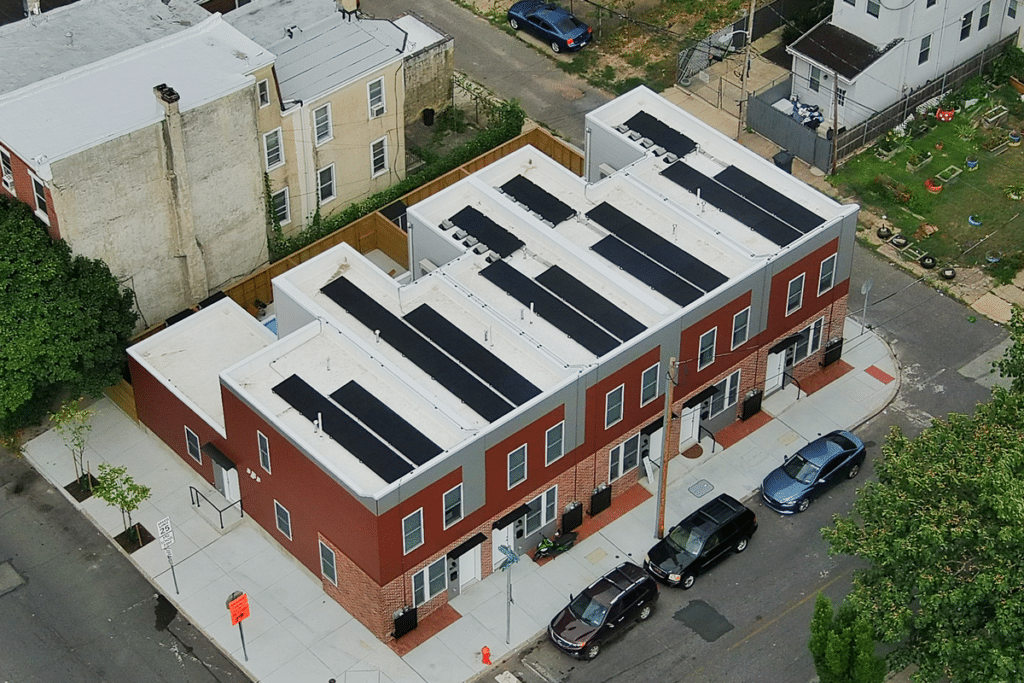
(800,469)
(588,610)
(688,540)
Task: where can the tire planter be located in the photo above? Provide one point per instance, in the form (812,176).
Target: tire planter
(899,241)
(928,262)
(947,273)
(994,256)
(884,233)
(974,220)
(933,186)
(972,163)
(945,114)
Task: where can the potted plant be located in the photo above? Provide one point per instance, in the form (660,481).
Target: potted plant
(1013,138)
(947,107)
(1014,191)
(966,131)
(918,160)
(933,186)
(972,163)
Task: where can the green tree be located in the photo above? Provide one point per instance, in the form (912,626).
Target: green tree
(64,324)
(1012,363)
(942,532)
(843,646)
(72,423)
(117,488)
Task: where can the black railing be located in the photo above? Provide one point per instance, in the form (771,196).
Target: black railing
(195,494)
(701,428)
(794,381)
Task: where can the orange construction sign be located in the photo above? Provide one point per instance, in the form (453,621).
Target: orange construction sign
(239,608)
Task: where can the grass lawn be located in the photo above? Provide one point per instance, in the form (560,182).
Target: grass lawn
(980,192)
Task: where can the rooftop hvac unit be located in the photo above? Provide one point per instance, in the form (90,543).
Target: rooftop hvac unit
(634,135)
(647,143)
(460,234)
(622,128)
(671,158)
(447,225)
(658,150)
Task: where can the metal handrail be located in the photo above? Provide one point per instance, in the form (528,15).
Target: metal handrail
(713,441)
(796,382)
(195,494)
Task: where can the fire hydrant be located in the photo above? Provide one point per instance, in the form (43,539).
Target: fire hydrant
(485,654)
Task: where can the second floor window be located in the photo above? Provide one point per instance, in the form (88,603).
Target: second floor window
(284,519)
(325,184)
(263,92)
(281,206)
(983,17)
(740,325)
(264,447)
(925,49)
(379,156)
(272,147)
(795,296)
(827,276)
(517,466)
(412,531)
(7,170)
(40,193)
(375,93)
(452,506)
(874,7)
(613,406)
(1011,9)
(649,384)
(706,354)
(965,26)
(322,124)
(554,447)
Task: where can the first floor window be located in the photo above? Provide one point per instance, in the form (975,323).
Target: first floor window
(517,466)
(272,148)
(264,447)
(327,564)
(263,91)
(379,156)
(827,274)
(543,510)
(7,170)
(924,50)
(810,340)
(280,204)
(192,445)
(284,519)
(322,124)
(412,531)
(429,581)
(325,184)
(740,325)
(452,506)
(706,354)
(965,26)
(726,393)
(553,443)
(815,83)
(613,405)
(624,457)
(874,6)
(40,192)
(795,295)
(840,96)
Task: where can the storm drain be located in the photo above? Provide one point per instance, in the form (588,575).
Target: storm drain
(9,579)
(705,621)
(701,488)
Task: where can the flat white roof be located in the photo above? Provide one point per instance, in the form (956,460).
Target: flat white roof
(52,119)
(419,34)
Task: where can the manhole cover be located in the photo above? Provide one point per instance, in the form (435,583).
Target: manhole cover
(705,621)
(9,579)
(701,488)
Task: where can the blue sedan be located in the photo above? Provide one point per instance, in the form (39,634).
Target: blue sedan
(550,23)
(814,469)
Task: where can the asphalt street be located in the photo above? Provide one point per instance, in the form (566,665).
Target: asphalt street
(74,610)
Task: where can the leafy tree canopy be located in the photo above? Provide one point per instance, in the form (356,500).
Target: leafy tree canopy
(943,530)
(843,645)
(64,323)
(1012,363)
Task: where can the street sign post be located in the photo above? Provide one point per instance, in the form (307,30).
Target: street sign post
(166,533)
(510,559)
(238,605)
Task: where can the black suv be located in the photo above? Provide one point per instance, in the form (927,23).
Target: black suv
(721,526)
(605,609)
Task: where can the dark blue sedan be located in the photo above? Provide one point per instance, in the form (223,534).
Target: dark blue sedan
(550,23)
(814,469)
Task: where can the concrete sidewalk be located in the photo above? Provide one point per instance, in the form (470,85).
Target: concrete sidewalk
(297,634)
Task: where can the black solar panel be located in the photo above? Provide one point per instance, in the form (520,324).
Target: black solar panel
(647,271)
(663,135)
(657,248)
(472,354)
(388,424)
(365,446)
(539,200)
(497,238)
(410,344)
(590,303)
(577,327)
(769,199)
(732,204)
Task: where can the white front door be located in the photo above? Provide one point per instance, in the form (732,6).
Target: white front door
(773,374)
(689,426)
(500,537)
(469,568)
(226,482)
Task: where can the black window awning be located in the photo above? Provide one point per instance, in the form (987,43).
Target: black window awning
(787,342)
(503,522)
(215,454)
(467,545)
(701,396)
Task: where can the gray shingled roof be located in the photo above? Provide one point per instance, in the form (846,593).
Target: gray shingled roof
(838,50)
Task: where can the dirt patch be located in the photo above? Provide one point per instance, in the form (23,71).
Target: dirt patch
(134,538)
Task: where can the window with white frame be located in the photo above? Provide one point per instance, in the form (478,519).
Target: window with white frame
(452,503)
(706,351)
(1011,9)
(517,466)
(322,124)
(925,49)
(795,295)
(983,17)
(192,445)
(263,92)
(930,3)
(7,170)
(40,195)
(379,156)
(874,7)
(727,391)
(740,327)
(554,444)
(375,95)
(264,446)
(815,82)
(649,384)
(613,405)
(283,519)
(827,274)
(543,510)
(965,26)
(810,340)
(328,565)
(281,206)
(429,582)
(325,184)
(840,97)
(272,149)
(412,532)
(624,457)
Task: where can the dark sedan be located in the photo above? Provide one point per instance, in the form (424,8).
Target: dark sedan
(814,469)
(550,23)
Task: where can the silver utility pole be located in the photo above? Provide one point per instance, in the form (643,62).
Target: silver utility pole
(673,379)
(864,289)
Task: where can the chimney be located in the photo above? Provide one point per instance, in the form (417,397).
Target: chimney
(348,8)
(167,96)
(31,7)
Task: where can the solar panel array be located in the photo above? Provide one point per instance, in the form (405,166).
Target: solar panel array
(770,199)
(590,303)
(392,427)
(537,199)
(393,330)
(497,238)
(337,424)
(661,134)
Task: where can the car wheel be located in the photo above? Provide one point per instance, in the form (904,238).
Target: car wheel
(513,23)
(803,505)
(853,472)
(741,545)
(687,581)
(645,612)
(555,47)
(592,651)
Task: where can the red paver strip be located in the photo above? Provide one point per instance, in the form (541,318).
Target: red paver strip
(881,375)
(432,624)
(826,376)
(731,435)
